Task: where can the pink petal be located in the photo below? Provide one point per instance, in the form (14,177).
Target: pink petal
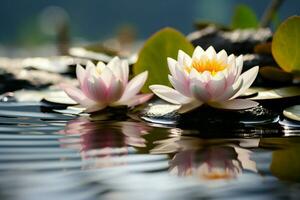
(230,91)
(169,94)
(97,90)
(248,78)
(182,87)
(115,91)
(216,86)
(199,90)
(134,86)
(190,106)
(235,104)
(138,99)
(77,95)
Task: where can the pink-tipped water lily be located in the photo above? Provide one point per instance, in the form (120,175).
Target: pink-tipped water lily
(207,77)
(107,85)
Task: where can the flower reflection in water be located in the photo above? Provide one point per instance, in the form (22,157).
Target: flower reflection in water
(104,143)
(207,160)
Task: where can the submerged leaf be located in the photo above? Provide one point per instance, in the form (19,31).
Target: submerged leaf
(286,45)
(244,17)
(153,56)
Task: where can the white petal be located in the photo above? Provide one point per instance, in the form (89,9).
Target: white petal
(235,104)
(190,106)
(180,74)
(134,86)
(183,59)
(115,66)
(125,71)
(169,94)
(80,73)
(222,56)
(205,77)
(106,76)
(172,64)
(248,78)
(194,74)
(239,65)
(90,68)
(211,53)
(197,52)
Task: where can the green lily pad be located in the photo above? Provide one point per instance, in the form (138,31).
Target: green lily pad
(292,112)
(244,17)
(153,56)
(286,45)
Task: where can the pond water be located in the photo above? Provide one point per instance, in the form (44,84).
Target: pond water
(48,155)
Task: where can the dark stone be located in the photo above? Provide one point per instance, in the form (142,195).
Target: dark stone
(236,41)
(211,122)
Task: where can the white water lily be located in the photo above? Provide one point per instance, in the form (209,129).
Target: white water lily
(107,85)
(207,78)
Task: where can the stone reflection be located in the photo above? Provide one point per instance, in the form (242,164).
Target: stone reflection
(207,159)
(103,142)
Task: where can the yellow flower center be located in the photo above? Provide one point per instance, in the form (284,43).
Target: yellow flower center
(214,175)
(213,66)
(98,70)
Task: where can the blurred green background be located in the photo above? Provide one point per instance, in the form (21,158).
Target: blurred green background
(28,23)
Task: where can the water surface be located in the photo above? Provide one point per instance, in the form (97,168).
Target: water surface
(59,156)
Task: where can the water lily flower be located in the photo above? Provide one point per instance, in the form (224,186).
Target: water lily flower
(207,78)
(107,85)
(212,163)
(103,143)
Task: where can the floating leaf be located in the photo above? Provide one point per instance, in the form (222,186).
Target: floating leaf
(275,74)
(283,92)
(59,97)
(153,56)
(286,45)
(244,17)
(292,112)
